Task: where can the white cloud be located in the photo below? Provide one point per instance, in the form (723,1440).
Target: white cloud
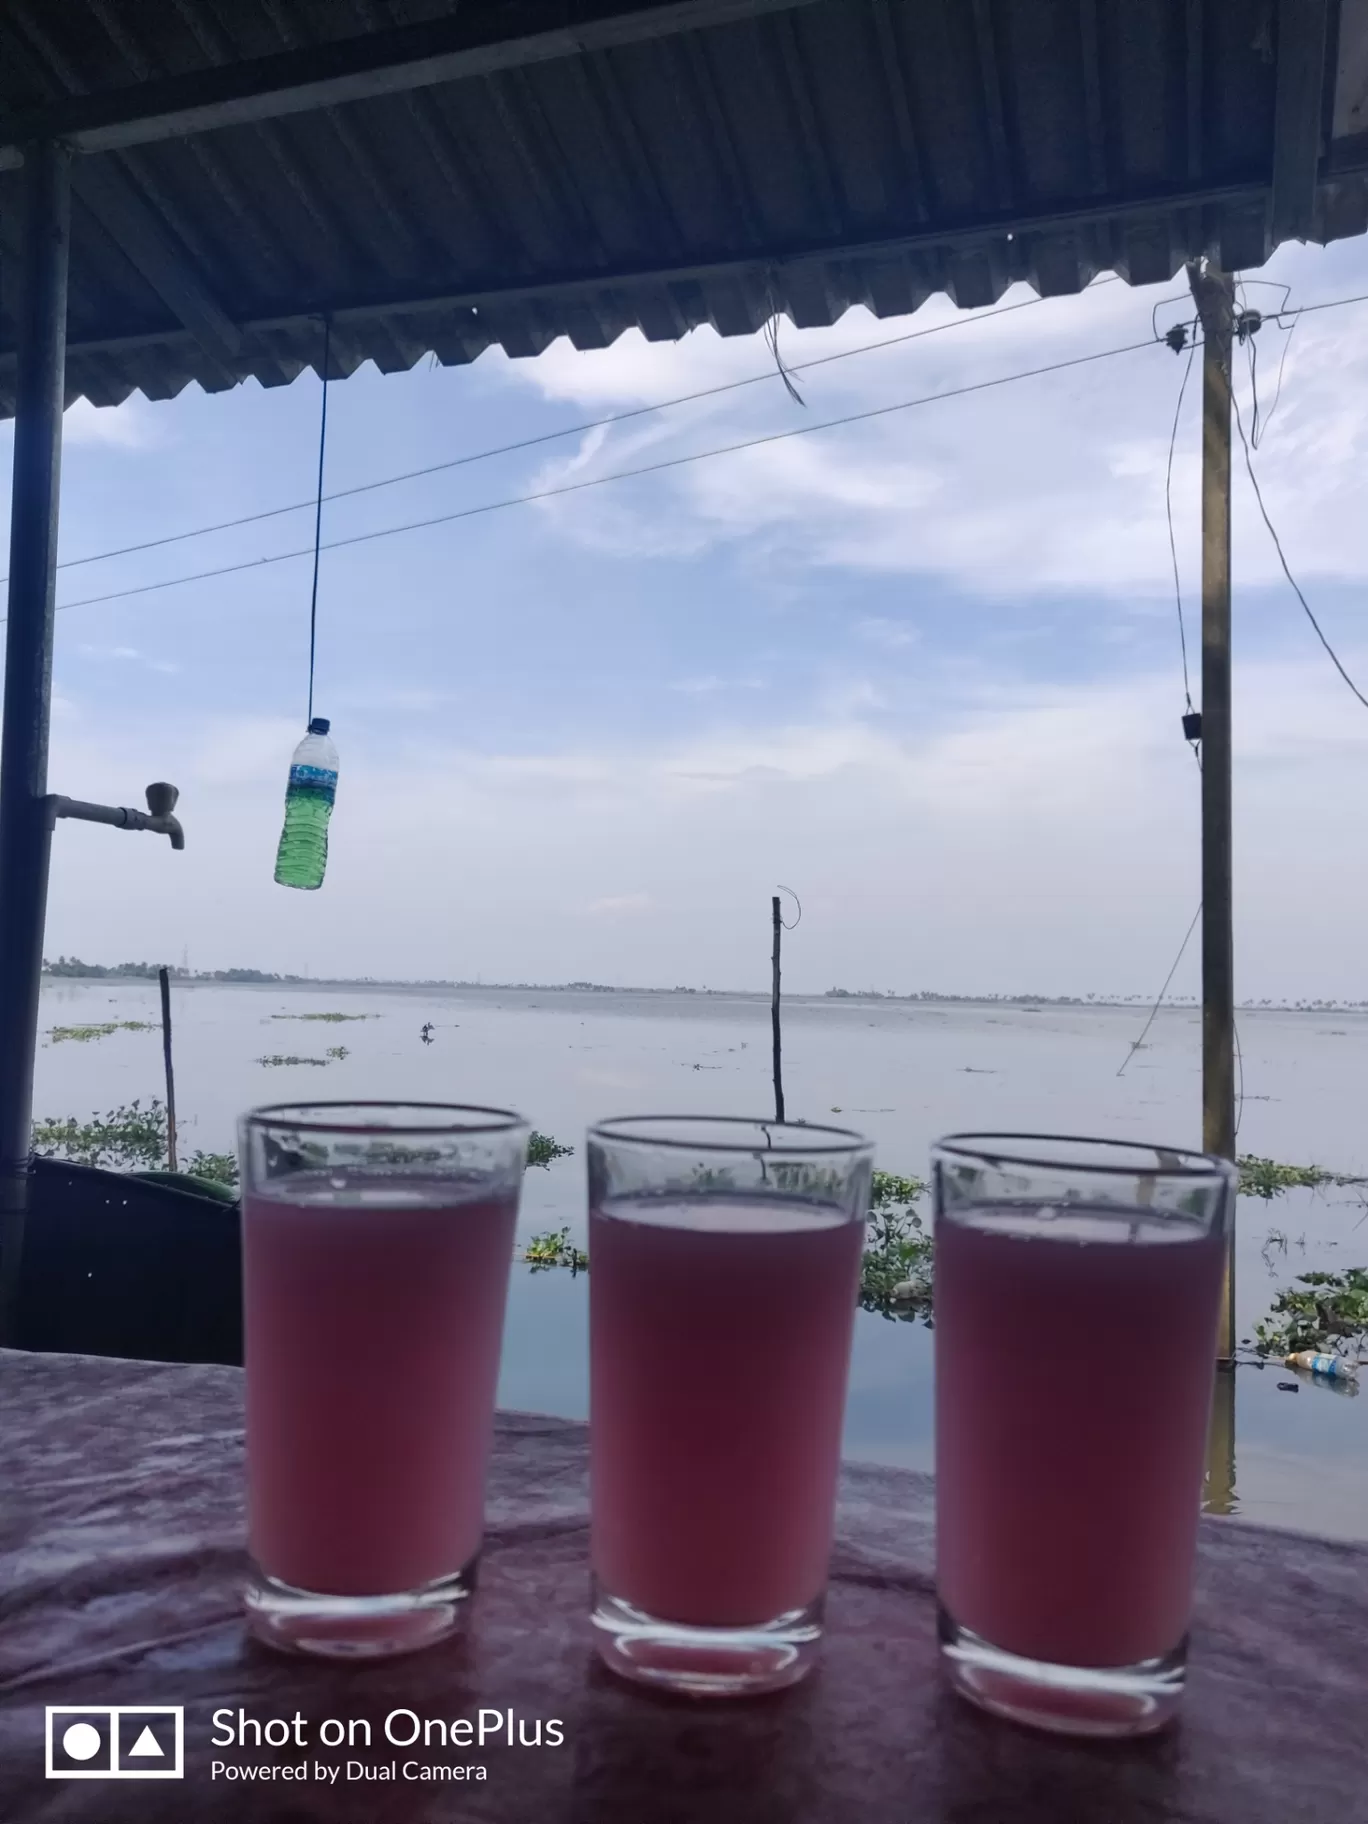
(710,684)
(134,425)
(616,905)
(1047,842)
(1045,484)
(945,823)
(892,635)
(245,750)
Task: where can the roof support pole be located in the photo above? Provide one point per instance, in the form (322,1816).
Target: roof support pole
(25,819)
(1215,302)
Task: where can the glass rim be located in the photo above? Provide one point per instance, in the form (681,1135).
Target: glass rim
(813,1138)
(997,1149)
(325,1117)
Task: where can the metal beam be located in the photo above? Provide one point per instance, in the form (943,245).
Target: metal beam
(1298,115)
(890,59)
(475,300)
(136,226)
(994,107)
(1194,85)
(479,39)
(25,827)
(1349,115)
(1093,112)
(137,231)
(1214,296)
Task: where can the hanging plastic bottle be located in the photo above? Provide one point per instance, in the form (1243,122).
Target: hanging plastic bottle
(303,852)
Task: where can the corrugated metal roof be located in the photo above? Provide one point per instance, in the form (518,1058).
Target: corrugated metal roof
(816,155)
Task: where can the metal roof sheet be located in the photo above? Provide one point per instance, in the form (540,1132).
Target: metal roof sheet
(599,165)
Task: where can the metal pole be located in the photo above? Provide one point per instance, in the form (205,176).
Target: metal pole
(1215,302)
(25,820)
(164,977)
(774,1012)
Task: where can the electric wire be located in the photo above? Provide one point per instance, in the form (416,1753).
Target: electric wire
(594,481)
(1282,556)
(1154,1011)
(1168,511)
(543,437)
(573,430)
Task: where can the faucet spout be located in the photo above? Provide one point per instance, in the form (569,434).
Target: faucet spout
(161,802)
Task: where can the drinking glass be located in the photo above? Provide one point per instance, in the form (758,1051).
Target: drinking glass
(377,1240)
(724,1265)
(1078,1290)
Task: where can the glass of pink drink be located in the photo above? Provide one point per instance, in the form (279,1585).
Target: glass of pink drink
(1078,1291)
(724,1272)
(377,1240)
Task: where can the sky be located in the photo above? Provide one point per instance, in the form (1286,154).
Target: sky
(923,669)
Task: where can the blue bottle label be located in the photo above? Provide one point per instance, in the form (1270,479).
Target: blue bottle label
(317,781)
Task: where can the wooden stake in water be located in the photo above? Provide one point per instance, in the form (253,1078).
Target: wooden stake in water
(774,1014)
(164,977)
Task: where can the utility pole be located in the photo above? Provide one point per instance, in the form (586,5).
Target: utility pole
(1214,295)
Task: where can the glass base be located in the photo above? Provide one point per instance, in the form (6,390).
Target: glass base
(356,1627)
(706,1662)
(1067,1700)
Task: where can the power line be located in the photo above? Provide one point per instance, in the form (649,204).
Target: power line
(576,430)
(569,430)
(595,481)
(1282,557)
(1168,509)
(1154,1011)
(671,463)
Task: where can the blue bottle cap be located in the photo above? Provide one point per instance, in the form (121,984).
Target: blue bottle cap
(319,726)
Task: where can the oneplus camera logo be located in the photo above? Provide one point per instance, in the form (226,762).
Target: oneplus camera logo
(116,1742)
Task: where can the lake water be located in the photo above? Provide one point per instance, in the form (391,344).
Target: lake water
(903,1073)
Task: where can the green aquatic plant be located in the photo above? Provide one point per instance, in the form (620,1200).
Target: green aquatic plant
(276,1058)
(896,1269)
(337,1051)
(1268,1178)
(332,1018)
(895,1272)
(555,1249)
(1323,1311)
(131,1138)
(218,1168)
(542,1149)
(84,1034)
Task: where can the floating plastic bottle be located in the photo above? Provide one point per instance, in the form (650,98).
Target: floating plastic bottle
(1334,1366)
(303,852)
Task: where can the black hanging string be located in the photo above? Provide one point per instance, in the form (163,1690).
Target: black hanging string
(771,335)
(318,512)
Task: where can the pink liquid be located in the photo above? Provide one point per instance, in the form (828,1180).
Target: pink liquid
(373,1318)
(1074,1361)
(719,1356)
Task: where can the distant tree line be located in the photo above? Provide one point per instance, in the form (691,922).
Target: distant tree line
(1073,1000)
(73,966)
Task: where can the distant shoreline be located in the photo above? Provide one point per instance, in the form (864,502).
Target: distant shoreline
(254,978)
